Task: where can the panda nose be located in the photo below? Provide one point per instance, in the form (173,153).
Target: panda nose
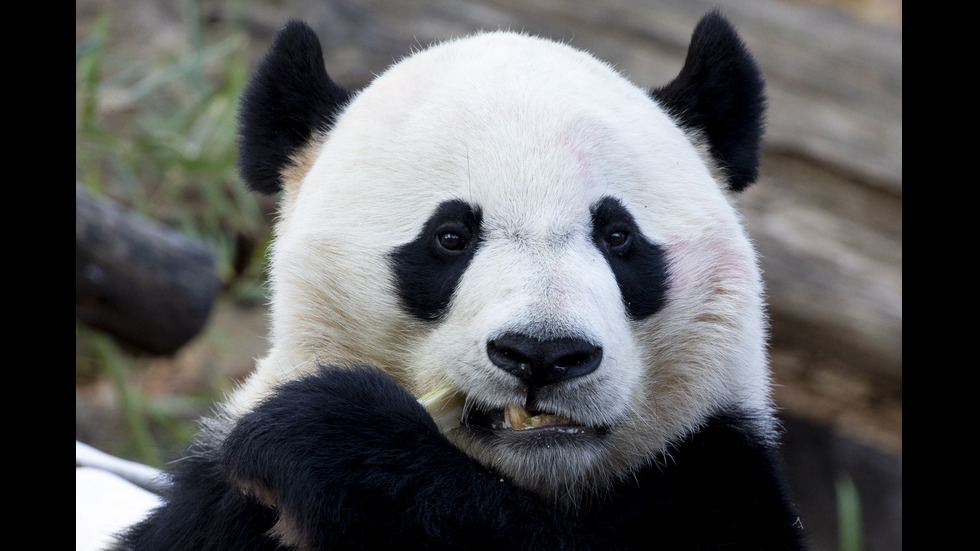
(538,362)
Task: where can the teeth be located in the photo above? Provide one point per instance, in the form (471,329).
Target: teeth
(445,405)
(519,418)
(546,419)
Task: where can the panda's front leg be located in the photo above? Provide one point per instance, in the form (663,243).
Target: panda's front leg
(349,460)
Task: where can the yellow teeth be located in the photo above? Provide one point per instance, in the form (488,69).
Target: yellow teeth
(519,418)
(445,406)
(516,416)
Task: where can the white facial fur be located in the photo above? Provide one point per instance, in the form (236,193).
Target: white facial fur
(533,133)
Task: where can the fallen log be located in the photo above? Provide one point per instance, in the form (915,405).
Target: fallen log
(146,284)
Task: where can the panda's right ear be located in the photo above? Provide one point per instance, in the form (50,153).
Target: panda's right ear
(288,102)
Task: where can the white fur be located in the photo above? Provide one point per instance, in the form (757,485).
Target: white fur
(534,133)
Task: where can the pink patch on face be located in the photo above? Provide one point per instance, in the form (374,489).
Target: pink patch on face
(708,263)
(582,139)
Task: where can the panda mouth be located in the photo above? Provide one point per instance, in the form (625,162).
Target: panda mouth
(515,417)
(451,410)
(518,417)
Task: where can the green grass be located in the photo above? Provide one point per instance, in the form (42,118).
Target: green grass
(159,135)
(850,533)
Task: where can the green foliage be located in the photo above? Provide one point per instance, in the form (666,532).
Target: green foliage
(159,135)
(153,427)
(157,132)
(849,524)
(130,404)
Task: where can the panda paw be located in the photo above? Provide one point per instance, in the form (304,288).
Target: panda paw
(339,452)
(336,420)
(349,460)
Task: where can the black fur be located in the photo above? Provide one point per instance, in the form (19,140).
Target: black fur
(426,272)
(349,460)
(639,265)
(287,101)
(719,93)
(203,512)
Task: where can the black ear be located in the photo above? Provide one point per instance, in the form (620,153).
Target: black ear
(719,94)
(289,99)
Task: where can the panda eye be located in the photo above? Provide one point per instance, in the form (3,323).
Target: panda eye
(451,241)
(618,240)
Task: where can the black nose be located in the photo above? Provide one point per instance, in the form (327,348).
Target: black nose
(538,362)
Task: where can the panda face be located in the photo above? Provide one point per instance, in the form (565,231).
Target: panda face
(512,218)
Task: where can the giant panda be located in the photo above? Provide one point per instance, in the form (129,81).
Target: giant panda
(508,232)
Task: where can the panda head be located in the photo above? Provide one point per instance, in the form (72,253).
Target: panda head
(513,218)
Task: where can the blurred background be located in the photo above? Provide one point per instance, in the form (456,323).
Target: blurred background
(170,248)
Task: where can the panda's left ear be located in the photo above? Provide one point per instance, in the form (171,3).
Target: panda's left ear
(719,95)
(288,102)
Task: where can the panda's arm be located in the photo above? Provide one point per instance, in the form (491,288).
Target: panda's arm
(721,488)
(350,460)
(202,512)
(346,459)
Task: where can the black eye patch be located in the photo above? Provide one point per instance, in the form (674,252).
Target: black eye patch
(640,266)
(428,268)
